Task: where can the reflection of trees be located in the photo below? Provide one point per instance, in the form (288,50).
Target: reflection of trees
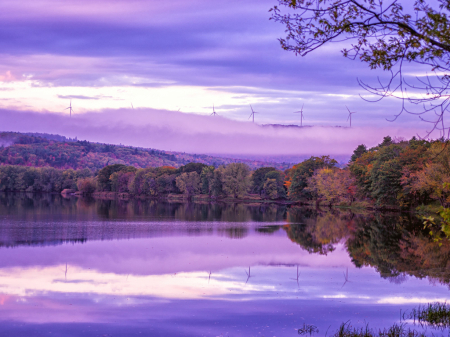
(234,232)
(395,245)
(304,236)
(316,231)
(53,219)
(398,245)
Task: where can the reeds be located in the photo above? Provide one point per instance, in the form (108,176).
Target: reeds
(308,329)
(436,315)
(397,330)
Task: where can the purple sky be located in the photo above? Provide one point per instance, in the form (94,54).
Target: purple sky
(166,56)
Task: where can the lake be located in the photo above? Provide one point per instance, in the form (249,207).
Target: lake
(85,267)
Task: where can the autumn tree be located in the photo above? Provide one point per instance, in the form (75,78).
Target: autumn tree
(86,185)
(274,184)
(188,183)
(386,35)
(382,172)
(207,180)
(434,178)
(119,180)
(236,179)
(299,174)
(333,185)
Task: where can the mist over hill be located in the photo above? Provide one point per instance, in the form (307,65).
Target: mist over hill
(42,149)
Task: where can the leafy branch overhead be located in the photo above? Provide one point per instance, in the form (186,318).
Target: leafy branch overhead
(383,34)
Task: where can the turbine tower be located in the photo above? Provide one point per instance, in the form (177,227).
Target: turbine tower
(70,108)
(214,112)
(252,114)
(301,116)
(350,115)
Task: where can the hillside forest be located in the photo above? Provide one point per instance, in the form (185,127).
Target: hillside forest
(47,150)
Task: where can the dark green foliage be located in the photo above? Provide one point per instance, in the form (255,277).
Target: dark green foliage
(386,141)
(192,167)
(39,179)
(103,177)
(385,175)
(259,178)
(359,151)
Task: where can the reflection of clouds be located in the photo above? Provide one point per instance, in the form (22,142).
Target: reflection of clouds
(336,296)
(168,255)
(90,295)
(16,282)
(412,300)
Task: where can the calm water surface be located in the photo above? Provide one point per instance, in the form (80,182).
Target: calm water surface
(75,267)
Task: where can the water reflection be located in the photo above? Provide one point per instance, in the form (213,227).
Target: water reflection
(173,269)
(28,206)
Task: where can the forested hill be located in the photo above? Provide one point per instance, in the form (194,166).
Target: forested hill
(41,150)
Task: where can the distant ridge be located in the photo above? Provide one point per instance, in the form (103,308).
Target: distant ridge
(41,149)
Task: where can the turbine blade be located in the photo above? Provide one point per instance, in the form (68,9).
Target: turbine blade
(250,115)
(348,109)
(348,117)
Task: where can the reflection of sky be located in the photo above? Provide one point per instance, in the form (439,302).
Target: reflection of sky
(194,285)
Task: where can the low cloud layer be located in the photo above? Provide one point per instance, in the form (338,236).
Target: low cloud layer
(177,131)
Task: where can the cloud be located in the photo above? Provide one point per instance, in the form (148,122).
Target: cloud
(229,46)
(77,97)
(177,131)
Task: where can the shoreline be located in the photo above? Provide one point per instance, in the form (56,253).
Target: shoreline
(249,199)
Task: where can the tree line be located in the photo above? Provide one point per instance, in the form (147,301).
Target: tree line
(393,174)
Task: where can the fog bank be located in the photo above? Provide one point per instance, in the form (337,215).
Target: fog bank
(192,133)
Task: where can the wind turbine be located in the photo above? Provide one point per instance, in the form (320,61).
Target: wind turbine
(248,275)
(301,116)
(214,112)
(345,278)
(253,114)
(298,275)
(132,107)
(70,108)
(350,115)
